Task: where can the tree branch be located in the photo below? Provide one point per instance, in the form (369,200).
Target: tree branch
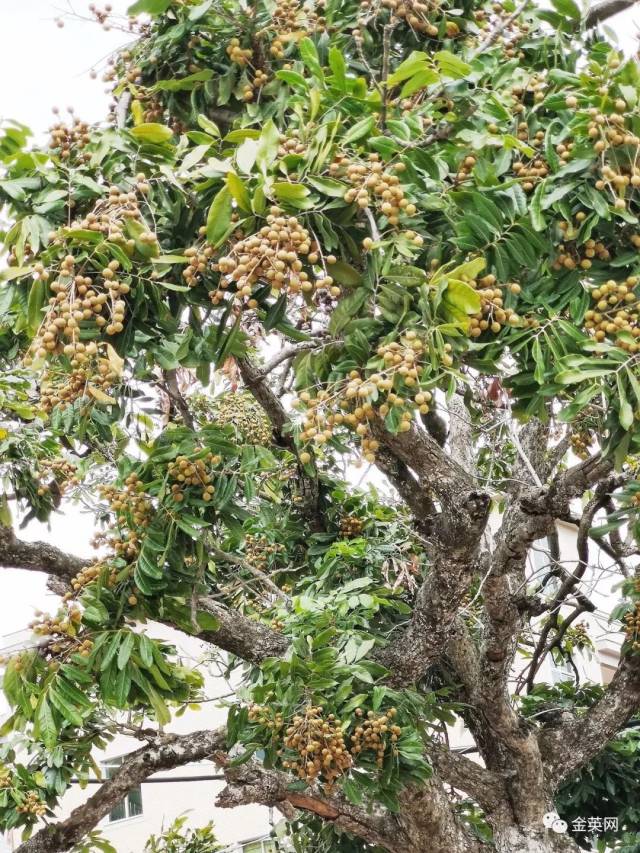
(607,9)
(162,754)
(246,566)
(237,634)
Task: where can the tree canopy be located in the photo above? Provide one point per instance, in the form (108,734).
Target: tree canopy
(400,235)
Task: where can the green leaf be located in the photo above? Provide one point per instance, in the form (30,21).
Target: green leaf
(207,125)
(11,273)
(45,724)
(358,130)
(567,8)
(124,652)
(345,274)
(625,412)
(424,78)
(37,299)
(246,155)
(415,62)
(295,80)
(462,296)
(451,65)
(149,7)
(239,191)
(219,218)
(572,377)
(286,191)
(328,186)
(152,132)
(183,83)
(338,67)
(535,208)
(268,144)
(309,56)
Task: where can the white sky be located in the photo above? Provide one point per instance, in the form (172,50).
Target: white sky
(42,66)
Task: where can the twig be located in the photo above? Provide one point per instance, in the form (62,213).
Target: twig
(247,567)
(499,29)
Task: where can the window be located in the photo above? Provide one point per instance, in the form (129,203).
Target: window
(132,803)
(561,670)
(263,845)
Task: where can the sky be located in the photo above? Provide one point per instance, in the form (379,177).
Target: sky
(42,66)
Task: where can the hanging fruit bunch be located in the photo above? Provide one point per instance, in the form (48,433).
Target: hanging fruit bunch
(281,254)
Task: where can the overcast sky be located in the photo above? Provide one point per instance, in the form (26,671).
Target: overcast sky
(42,66)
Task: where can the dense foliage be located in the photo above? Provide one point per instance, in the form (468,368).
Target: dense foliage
(306,230)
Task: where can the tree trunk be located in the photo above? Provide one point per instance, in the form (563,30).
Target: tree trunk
(513,839)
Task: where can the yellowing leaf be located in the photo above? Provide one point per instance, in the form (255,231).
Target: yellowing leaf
(152,132)
(100,396)
(115,362)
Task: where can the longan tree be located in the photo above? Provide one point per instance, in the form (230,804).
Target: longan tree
(389,234)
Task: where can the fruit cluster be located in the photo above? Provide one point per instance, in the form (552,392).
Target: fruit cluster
(492,315)
(466,167)
(351,526)
(571,256)
(616,310)
(70,140)
(530,172)
(291,20)
(238,54)
(274,255)
(133,510)
(111,214)
(376,732)
(617,182)
(418,16)
(196,472)
(291,144)
(91,573)
(62,633)
(102,15)
(259,551)
(372,183)
(350,403)
(581,442)
(320,745)
(260,79)
(578,635)
(632,622)
(79,298)
(199,260)
(58,471)
(533,90)
(32,804)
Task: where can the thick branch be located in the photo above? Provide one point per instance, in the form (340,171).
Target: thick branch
(416,497)
(607,9)
(483,786)
(163,754)
(37,557)
(236,633)
(252,783)
(455,536)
